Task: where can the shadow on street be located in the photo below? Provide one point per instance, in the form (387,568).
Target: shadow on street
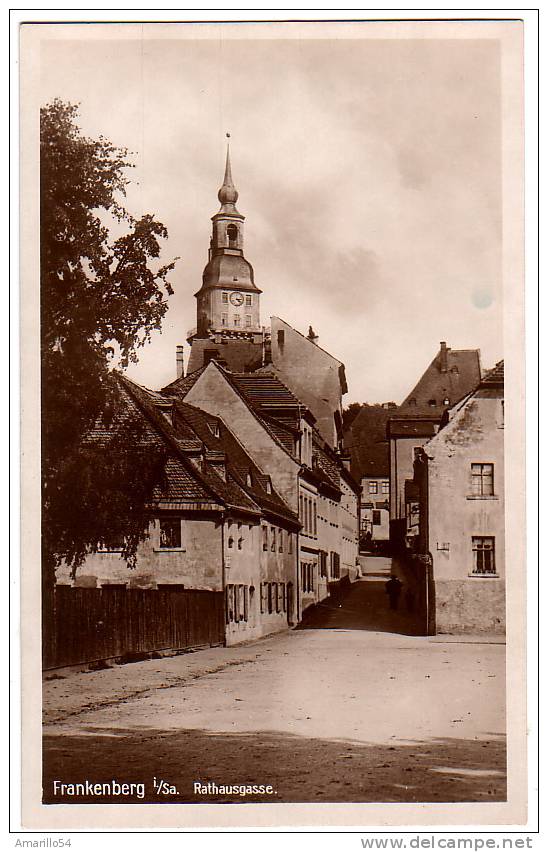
(365,606)
(300,769)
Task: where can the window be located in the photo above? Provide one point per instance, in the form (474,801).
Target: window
(315,518)
(482,480)
(335,565)
(248,480)
(307,576)
(281,337)
(432,403)
(284,597)
(248,300)
(373,487)
(483,551)
(376,517)
(244,598)
(446,401)
(225,298)
(263,596)
(236,603)
(224,319)
(237,320)
(385,487)
(280,541)
(170,533)
(114,546)
(265,537)
(273,539)
(248,320)
(290,542)
(269,597)
(412,401)
(232,234)
(229,603)
(323,563)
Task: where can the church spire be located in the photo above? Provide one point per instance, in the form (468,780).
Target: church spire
(228,194)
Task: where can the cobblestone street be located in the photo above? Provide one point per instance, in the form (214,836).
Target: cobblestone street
(349,707)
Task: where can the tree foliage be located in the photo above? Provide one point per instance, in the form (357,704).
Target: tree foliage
(349,414)
(101,298)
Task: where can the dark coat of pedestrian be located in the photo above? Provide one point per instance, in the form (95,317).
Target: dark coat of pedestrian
(393,589)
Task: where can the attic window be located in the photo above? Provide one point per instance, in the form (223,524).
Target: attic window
(248,480)
(447,401)
(455,370)
(412,401)
(268,486)
(432,403)
(214,429)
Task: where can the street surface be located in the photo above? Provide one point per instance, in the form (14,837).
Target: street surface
(347,708)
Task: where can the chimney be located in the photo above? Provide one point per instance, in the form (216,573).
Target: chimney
(443,356)
(180,362)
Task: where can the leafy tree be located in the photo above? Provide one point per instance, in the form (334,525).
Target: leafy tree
(350,413)
(101,298)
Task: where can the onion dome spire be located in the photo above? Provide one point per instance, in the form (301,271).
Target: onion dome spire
(228,194)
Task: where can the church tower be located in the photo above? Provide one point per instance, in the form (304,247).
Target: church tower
(228,300)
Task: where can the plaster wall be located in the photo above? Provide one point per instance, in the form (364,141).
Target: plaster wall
(401,468)
(311,373)
(213,394)
(466,602)
(197,565)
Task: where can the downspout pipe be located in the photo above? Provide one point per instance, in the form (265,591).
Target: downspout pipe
(223,571)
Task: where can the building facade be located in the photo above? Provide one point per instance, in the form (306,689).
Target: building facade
(455,512)
(217,524)
(451,375)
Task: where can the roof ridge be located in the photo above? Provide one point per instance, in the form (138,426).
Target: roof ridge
(228,375)
(165,431)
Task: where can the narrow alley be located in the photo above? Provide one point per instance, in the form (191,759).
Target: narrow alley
(350,707)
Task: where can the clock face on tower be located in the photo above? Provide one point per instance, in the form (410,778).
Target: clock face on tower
(236,299)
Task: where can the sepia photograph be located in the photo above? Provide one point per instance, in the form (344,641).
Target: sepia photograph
(278,548)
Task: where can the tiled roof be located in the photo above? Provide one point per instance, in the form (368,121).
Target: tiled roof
(265,390)
(216,436)
(452,374)
(201,474)
(183,385)
(494,377)
(409,427)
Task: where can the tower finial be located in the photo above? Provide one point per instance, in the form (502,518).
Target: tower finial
(228,194)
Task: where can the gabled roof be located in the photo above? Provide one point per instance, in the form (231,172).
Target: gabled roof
(492,384)
(181,386)
(266,392)
(451,375)
(192,478)
(263,396)
(241,468)
(182,485)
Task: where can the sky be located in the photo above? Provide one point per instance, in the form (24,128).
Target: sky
(368,170)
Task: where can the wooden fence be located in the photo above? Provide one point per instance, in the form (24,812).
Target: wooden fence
(81,625)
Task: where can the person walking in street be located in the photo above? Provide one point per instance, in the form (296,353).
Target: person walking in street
(393,589)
